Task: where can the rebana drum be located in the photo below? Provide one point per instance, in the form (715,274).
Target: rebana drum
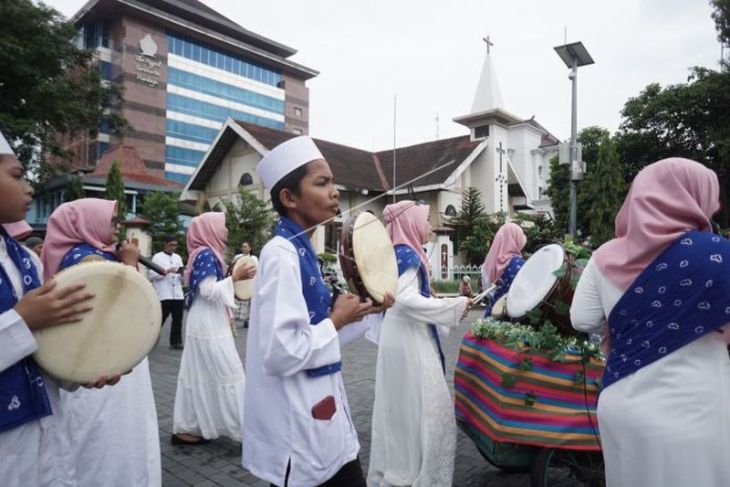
(545,283)
(120,330)
(243,289)
(367,258)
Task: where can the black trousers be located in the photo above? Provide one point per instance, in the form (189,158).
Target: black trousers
(174,307)
(350,475)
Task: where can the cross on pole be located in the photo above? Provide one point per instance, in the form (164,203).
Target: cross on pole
(501,179)
(489,43)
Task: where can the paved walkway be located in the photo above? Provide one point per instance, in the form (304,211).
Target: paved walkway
(218,463)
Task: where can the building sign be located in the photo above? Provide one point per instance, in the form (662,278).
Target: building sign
(148,69)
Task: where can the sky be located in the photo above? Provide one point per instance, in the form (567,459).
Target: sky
(418,61)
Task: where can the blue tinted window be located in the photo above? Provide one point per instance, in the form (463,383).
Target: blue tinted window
(197,108)
(182,156)
(187,131)
(223,90)
(174,176)
(215,58)
(106,70)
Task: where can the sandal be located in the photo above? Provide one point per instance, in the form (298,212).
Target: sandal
(176,439)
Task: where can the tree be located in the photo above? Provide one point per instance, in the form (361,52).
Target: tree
(471,211)
(721,16)
(539,229)
(683,120)
(476,244)
(115,191)
(48,86)
(162,210)
(606,202)
(559,192)
(74,190)
(248,220)
(590,139)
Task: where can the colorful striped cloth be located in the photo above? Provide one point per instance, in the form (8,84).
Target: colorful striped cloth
(556,419)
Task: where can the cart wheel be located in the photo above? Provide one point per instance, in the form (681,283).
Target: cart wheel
(567,468)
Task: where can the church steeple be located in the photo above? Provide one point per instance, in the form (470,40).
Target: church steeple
(488,107)
(488,96)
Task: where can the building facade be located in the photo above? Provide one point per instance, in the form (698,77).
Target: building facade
(504,156)
(184,69)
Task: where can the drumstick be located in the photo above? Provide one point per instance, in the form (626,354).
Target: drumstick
(147,263)
(483,294)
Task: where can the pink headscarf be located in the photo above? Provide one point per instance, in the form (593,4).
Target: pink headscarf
(407,224)
(206,231)
(88,220)
(666,199)
(18,230)
(508,242)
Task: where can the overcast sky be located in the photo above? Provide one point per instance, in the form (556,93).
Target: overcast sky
(429,54)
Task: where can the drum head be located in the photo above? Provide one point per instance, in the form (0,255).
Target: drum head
(113,337)
(244,289)
(499,308)
(535,280)
(374,256)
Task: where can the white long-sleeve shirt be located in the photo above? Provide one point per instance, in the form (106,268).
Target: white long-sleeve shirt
(37,452)
(168,286)
(278,425)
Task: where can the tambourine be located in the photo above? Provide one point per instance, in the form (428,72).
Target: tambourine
(243,289)
(367,258)
(112,338)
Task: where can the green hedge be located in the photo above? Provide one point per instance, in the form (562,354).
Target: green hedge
(446,286)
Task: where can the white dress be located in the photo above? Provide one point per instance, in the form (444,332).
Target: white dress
(210,385)
(114,432)
(414,430)
(36,453)
(668,424)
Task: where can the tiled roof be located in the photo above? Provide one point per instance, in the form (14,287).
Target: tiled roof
(354,168)
(373,171)
(414,161)
(131,166)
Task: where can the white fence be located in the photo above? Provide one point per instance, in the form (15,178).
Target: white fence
(459,271)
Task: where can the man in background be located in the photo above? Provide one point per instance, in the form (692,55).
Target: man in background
(169,289)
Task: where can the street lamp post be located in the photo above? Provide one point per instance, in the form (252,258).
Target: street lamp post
(574,55)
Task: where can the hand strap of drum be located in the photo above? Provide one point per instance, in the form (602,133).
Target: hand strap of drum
(406,258)
(23,396)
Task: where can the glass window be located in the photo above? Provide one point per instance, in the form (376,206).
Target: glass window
(196,53)
(188,52)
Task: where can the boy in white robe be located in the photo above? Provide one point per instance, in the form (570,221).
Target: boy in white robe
(298,429)
(34,451)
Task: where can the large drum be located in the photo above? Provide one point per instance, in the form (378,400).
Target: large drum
(545,283)
(243,289)
(120,330)
(367,258)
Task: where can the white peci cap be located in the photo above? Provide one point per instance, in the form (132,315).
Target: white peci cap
(4,146)
(286,157)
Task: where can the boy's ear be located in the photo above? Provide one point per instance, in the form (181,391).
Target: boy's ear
(288,199)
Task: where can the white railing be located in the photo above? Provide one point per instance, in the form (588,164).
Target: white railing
(457,272)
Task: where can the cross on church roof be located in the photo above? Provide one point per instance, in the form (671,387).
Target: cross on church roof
(489,43)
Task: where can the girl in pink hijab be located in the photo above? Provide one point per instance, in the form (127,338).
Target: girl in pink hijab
(660,291)
(81,229)
(210,384)
(503,261)
(413,429)
(113,431)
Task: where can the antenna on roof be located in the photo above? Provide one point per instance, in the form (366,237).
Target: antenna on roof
(437,125)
